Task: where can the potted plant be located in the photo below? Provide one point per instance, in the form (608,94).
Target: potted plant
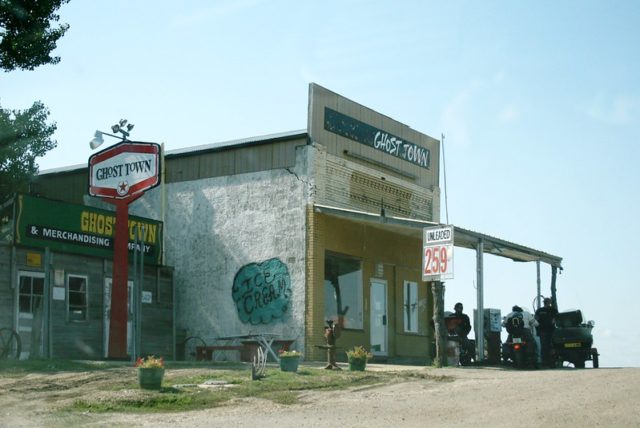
(358,357)
(289,360)
(150,372)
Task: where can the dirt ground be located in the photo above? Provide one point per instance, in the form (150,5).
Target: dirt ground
(496,397)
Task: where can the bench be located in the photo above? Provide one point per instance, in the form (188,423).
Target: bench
(205,353)
(251,348)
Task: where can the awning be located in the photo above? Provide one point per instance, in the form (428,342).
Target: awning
(463,238)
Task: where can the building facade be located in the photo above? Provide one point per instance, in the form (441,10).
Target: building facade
(56,277)
(280,234)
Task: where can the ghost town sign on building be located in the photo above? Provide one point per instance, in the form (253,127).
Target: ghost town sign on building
(124,170)
(371,136)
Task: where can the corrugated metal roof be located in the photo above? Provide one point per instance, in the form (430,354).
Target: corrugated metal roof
(261,139)
(464,238)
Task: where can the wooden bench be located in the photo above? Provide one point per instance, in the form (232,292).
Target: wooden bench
(205,353)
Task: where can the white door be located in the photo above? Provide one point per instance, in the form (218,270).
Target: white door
(107,315)
(30,314)
(379,317)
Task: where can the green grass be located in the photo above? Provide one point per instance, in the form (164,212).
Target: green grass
(122,393)
(13,368)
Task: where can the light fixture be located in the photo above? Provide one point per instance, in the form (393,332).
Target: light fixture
(96,141)
(117,128)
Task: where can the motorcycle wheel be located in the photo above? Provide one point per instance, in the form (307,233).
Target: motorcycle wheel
(519,360)
(578,364)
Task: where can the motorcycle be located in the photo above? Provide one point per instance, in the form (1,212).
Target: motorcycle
(520,347)
(518,352)
(466,347)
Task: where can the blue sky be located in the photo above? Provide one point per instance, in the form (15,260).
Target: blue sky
(539,103)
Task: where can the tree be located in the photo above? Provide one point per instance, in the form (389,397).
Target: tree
(27,38)
(24,136)
(26,42)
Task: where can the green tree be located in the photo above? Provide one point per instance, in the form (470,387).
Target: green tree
(26,36)
(26,42)
(24,136)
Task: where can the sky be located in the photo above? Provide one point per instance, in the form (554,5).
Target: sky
(539,103)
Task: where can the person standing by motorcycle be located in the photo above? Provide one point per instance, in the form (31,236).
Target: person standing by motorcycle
(546,317)
(463,326)
(460,328)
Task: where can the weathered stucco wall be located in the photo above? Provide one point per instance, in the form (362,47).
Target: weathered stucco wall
(247,228)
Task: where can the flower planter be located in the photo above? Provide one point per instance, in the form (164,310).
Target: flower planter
(150,378)
(289,364)
(357,364)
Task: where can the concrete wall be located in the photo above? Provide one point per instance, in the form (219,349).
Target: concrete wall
(246,227)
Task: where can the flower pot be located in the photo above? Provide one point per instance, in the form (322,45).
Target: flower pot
(289,364)
(357,364)
(150,378)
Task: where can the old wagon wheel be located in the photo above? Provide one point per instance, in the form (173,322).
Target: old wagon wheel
(190,344)
(10,345)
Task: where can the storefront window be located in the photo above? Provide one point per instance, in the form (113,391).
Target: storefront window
(410,307)
(77,297)
(343,289)
(31,292)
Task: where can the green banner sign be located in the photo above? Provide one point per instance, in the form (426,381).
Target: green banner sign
(81,229)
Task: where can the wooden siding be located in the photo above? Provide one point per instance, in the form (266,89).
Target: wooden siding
(232,160)
(85,339)
(72,186)
(6,292)
(360,153)
(69,186)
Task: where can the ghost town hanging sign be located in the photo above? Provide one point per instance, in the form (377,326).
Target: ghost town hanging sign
(262,292)
(124,170)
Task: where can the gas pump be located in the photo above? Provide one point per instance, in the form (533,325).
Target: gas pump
(492,328)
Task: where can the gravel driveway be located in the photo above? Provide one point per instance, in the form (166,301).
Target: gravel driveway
(473,397)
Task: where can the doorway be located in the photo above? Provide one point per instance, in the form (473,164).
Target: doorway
(31,314)
(379,319)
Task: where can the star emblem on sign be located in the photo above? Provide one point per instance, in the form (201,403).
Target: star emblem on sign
(123,188)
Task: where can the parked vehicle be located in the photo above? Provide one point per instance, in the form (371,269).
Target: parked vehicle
(468,352)
(572,340)
(520,347)
(519,352)
(466,347)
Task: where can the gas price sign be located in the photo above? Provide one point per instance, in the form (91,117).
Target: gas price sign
(437,253)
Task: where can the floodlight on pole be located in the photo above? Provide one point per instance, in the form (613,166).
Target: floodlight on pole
(121,127)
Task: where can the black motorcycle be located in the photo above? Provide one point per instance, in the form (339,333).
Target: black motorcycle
(520,347)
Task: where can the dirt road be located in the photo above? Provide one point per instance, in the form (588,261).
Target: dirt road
(476,397)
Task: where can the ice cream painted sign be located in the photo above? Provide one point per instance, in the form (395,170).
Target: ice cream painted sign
(262,292)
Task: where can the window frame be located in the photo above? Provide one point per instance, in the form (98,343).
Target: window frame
(415,301)
(359,325)
(86,297)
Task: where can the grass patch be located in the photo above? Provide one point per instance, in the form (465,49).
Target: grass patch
(277,386)
(112,386)
(13,368)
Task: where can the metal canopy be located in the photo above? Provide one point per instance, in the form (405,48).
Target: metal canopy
(463,238)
